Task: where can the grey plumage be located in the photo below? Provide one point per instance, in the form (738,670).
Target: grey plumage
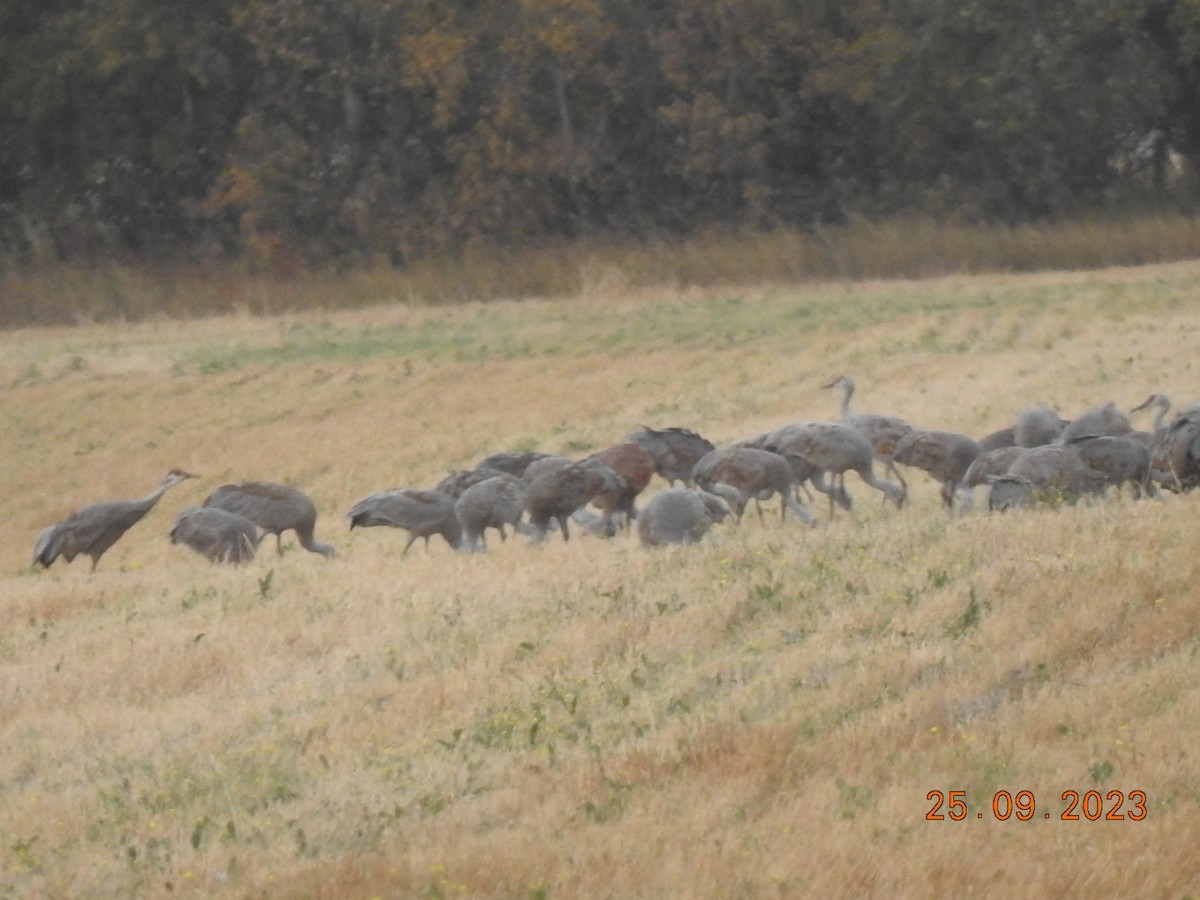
(542,465)
(884,432)
(494,503)
(558,493)
(1037,426)
(674,450)
(513,462)
(987,465)
(419,512)
(457,482)
(1055,472)
(1116,460)
(946,455)
(679,516)
(1106,419)
(753,473)
(92,530)
(836,449)
(1004,437)
(275,508)
(990,463)
(804,471)
(1009,492)
(217,534)
(1175,457)
(1161,404)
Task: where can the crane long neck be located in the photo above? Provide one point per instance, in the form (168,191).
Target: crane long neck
(315,546)
(147,502)
(847,391)
(1160,417)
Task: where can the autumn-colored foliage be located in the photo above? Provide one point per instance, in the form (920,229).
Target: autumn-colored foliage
(290,132)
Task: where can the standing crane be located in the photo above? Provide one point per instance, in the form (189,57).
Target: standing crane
(275,508)
(884,432)
(92,529)
(836,449)
(1161,404)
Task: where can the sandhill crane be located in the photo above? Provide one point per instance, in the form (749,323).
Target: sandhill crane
(679,516)
(1037,426)
(1106,419)
(636,467)
(1116,460)
(804,471)
(674,450)
(216,534)
(544,464)
(557,494)
(946,455)
(91,530)
(1176,453)
(275,508)
(884,432)
(1004,437)
(513,462)
(455,483)
(493,503)
(1053,472)
(1161,404)
(753,473)
(419,512)
(836,449)
(987,465)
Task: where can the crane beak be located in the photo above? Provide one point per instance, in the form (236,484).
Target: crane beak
(833,383)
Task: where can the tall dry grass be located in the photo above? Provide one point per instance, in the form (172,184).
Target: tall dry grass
(858,250)
(763,714)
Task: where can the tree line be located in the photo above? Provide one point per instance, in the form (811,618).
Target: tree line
(308,131)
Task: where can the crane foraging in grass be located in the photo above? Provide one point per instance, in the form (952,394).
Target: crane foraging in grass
(946,455)
(419,512)
(91,530)
(755,474)
(220,536)
(275,508)
(833,448)
(680,516)
(674,450)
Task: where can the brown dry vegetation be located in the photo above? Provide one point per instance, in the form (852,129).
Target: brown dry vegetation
(759,715)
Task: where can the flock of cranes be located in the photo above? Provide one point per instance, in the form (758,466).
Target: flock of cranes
(1041,456)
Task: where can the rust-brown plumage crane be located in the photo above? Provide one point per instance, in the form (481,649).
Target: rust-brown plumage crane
(91,530)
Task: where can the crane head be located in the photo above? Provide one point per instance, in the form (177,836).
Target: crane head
(840,381)
(174,476)
(1153,400)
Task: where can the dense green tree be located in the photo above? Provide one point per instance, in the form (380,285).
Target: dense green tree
(115,122)
(1017,110)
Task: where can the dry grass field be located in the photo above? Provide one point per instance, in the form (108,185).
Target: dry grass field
(763,714)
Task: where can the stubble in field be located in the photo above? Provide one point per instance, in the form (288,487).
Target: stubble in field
(762,714)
